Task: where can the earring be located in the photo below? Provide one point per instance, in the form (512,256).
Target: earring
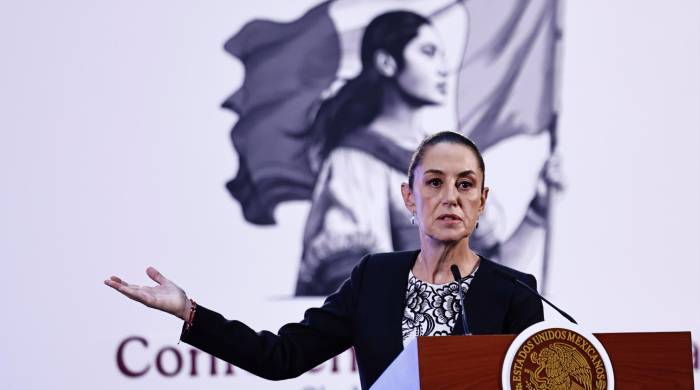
(413,219)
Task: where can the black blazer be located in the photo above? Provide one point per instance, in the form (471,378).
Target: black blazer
(364,313)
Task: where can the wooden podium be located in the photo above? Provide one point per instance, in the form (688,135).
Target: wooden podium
(639,361)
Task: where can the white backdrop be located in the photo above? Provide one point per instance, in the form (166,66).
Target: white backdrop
(114,155)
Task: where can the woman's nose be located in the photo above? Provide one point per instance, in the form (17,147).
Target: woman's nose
(450,196)
(442,68)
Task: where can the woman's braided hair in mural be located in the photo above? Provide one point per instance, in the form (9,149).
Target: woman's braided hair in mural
(444,137)
(359,101)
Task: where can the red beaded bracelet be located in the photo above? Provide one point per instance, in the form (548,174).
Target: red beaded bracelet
(190,318)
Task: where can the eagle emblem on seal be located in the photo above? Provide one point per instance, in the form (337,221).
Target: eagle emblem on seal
(564,369)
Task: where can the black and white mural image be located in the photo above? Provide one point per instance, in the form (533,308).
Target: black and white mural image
(333,104)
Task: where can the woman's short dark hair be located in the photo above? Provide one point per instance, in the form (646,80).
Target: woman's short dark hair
(451,137)
(360,100)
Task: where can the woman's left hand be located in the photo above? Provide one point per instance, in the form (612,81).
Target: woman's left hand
(550,178)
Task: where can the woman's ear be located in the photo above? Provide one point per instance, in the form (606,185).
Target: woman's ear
(484,196)
(385,63)
(408,198)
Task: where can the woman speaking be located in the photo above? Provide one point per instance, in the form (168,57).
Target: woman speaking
(390,297)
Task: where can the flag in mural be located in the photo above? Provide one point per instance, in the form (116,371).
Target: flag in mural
(287,67)
(323,118)
(506,82)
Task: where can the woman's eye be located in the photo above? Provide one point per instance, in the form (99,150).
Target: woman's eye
(429,50)
(434,182)
(464,185)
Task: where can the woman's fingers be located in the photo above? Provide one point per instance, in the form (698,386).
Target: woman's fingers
(552,173)
(115,282)
(155,275)
(132,291)
(122,287)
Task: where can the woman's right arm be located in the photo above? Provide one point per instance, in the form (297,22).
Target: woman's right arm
(324,332)
(296,348)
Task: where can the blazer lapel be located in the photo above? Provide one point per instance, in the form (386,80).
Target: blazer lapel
(397,282)
(486,302)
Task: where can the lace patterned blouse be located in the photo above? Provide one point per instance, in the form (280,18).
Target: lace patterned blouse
(431,309)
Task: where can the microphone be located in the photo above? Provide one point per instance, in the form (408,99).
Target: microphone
(534,292)
(458,279)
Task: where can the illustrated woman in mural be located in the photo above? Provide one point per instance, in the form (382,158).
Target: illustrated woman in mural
(389,298)
(365,134)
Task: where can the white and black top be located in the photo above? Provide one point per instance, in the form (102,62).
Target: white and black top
(431,309)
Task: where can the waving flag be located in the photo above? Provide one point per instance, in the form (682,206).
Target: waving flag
(288,66)
(507,78)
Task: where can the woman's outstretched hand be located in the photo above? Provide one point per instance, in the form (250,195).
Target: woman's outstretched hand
(166,296)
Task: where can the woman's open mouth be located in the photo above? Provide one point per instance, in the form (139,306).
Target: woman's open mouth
(442,88)
(450,218)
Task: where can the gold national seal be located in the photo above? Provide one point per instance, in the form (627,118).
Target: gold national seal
(557,359)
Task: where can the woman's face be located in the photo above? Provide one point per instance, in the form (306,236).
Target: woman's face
(424,76)
(447,195)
